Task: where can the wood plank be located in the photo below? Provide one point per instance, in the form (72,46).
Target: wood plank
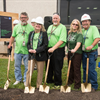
(4,39)
(14,16)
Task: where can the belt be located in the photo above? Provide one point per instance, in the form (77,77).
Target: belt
(91,51)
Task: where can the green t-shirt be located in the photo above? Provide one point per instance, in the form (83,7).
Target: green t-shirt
(91,34)
(35,40)
(20,37)
(72,40)
(59,33)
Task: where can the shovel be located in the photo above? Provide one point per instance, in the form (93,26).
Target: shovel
(66,88)
(8,80)
(30,89)
(44,88)
(86,87)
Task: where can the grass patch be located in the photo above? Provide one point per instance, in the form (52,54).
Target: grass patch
(3,74)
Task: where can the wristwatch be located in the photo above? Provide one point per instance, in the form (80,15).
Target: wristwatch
(92,46)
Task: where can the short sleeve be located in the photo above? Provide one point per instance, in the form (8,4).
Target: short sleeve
(14,31)
(95,33)
(63,34)
(79,38)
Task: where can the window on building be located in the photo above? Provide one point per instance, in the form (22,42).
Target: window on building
(74,9)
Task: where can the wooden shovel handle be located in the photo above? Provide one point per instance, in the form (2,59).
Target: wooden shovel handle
(8,68)
(68,71)
(87,68)
(31,63)
(47,71)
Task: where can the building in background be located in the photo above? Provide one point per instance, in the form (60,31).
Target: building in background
(34,8)
(71,9)
(68,9)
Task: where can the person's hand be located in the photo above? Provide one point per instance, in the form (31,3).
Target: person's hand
(69,32)
(9,46)
(73,51)
(51,50)
(89,48)
(32,51)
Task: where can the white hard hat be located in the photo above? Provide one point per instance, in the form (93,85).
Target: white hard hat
(85,17)
(33,20)
(16,22)
(39,20)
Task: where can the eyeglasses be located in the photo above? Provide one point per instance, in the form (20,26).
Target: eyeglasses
(75,24)
(23,17)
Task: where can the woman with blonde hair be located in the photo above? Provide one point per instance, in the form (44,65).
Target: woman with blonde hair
(37,45)
(74,44)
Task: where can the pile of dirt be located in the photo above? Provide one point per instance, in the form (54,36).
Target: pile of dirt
(18,94)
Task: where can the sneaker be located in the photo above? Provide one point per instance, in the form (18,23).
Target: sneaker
(76,89)
(56,87)
(24,83)
(16,82)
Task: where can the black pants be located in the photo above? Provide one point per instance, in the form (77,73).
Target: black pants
(75,70)
(55,67)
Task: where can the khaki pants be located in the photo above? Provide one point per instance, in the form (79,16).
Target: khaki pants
(40,67)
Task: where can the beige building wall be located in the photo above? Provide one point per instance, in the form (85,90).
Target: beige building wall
(1,5)
(34,8)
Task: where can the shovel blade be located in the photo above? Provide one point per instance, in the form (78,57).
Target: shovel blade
(42,89)
(29,90)
(26,90)
(68,89)
(86,88)
(6,85)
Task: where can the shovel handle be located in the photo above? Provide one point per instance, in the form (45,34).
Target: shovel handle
(47,71)
(8,68)
(87,68)
(31,63)
(68,71)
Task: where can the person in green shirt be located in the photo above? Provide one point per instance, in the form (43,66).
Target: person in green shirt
(20,35)
(91,38)
(74,44)
(57,39)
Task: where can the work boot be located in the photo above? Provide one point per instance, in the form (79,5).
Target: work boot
(16,82)
(93,90)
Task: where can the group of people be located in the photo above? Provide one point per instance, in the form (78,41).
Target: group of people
(34,41)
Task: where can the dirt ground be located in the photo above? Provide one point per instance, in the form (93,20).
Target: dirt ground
(18,94)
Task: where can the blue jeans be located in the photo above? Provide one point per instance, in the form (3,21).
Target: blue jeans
(18,61)
(92,74)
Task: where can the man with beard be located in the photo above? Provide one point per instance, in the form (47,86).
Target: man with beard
(57,39)
(21,34)
(90,45)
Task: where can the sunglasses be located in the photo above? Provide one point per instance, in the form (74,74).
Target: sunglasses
(75,24)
